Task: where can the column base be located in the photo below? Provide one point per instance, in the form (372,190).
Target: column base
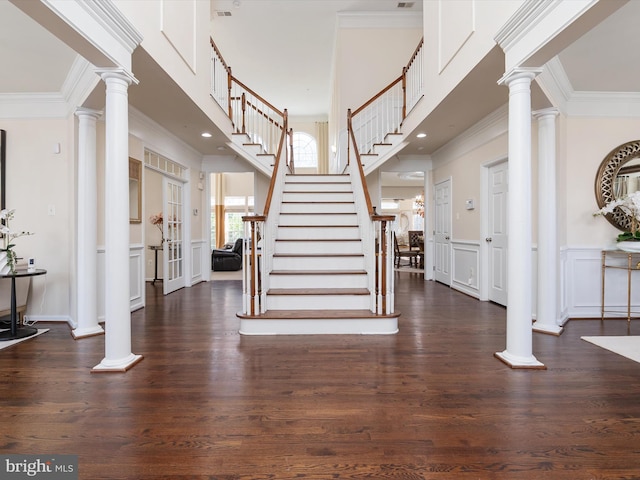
(548,329)
(78,333)
(109,366)
(519,362)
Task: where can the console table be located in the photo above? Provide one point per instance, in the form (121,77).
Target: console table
(156,249)
(14,332)
(619,260)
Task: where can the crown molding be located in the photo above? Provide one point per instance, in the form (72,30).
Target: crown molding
(522,21)
(556,85)
(490,127)
(108,16)
(379,20)
(79,83)
(33,105)
(140,125)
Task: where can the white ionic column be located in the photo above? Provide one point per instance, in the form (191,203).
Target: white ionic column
(547,308)
(87,248)
(118,356)
(519,259)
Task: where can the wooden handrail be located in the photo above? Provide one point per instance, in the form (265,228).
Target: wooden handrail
(215,47)
(360,169)
(267,203)
(377,95)
(257,96)
(415,53)
(263,114)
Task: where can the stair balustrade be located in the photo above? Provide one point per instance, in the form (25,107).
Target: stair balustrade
(384,113)
(376,236)
(250,114)
(259,231)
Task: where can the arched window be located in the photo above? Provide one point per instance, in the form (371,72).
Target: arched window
(305,150)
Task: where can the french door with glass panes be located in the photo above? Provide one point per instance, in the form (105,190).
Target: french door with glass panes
(173,252)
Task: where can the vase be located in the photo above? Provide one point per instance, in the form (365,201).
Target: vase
(629,246)
(5,266)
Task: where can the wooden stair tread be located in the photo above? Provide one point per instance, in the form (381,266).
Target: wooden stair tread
(318,213)
(318,226)
(318,239)
(317,314)
(318,272)
(318,255)
(318,291)
(328,192)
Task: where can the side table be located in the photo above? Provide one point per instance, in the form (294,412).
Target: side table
(627,261)
(156,249)
(14,332)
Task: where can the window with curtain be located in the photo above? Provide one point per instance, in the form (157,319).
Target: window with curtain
(305,150)
(234,209)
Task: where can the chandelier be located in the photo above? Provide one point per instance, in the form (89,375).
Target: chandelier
(418,204)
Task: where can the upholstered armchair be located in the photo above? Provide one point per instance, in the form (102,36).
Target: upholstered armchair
(225,260)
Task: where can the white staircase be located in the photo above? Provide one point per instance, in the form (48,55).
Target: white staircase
(317,280)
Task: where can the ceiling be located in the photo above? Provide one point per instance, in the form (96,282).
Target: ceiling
(36,63)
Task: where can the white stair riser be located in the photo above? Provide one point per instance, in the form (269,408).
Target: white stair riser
(318,263)
(317,302)
(317,187)
(316,178)
(318,219)
(314,326)
(319,281)
(291,233)
(317,197)
(318,246)
(307,207)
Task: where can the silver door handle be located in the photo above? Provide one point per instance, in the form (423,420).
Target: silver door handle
(488,239)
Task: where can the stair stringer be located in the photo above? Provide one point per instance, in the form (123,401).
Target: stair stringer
(382,153)
(252,153)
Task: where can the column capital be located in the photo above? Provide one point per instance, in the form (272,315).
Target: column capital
(546,112)
(117,73)
(519,73)
(88,112)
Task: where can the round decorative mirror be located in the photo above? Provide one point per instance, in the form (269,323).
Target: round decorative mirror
(618,175)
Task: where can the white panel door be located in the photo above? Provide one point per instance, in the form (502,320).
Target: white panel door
(173,253)
(442,233)
(497,228)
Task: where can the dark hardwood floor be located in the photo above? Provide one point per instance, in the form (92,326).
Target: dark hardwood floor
(431,402)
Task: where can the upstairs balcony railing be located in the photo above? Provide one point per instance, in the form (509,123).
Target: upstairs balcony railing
(384,113)
(367,126)
(250,114)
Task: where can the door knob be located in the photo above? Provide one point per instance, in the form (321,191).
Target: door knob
(446,238)
(488,239)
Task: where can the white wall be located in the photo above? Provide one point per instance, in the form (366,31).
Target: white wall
(37,179)
(180,45)
(461,33)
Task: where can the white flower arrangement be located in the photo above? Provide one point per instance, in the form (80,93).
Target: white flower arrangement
(630,206)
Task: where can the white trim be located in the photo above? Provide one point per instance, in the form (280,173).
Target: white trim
(556,85)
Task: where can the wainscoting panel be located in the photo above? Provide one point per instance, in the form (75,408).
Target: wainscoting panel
(197,261)
(136,273)
(583,280)
(465,258)
(136,279)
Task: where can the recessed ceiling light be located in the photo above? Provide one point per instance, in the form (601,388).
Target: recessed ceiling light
(205,135)
(421,135)
(221,148)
